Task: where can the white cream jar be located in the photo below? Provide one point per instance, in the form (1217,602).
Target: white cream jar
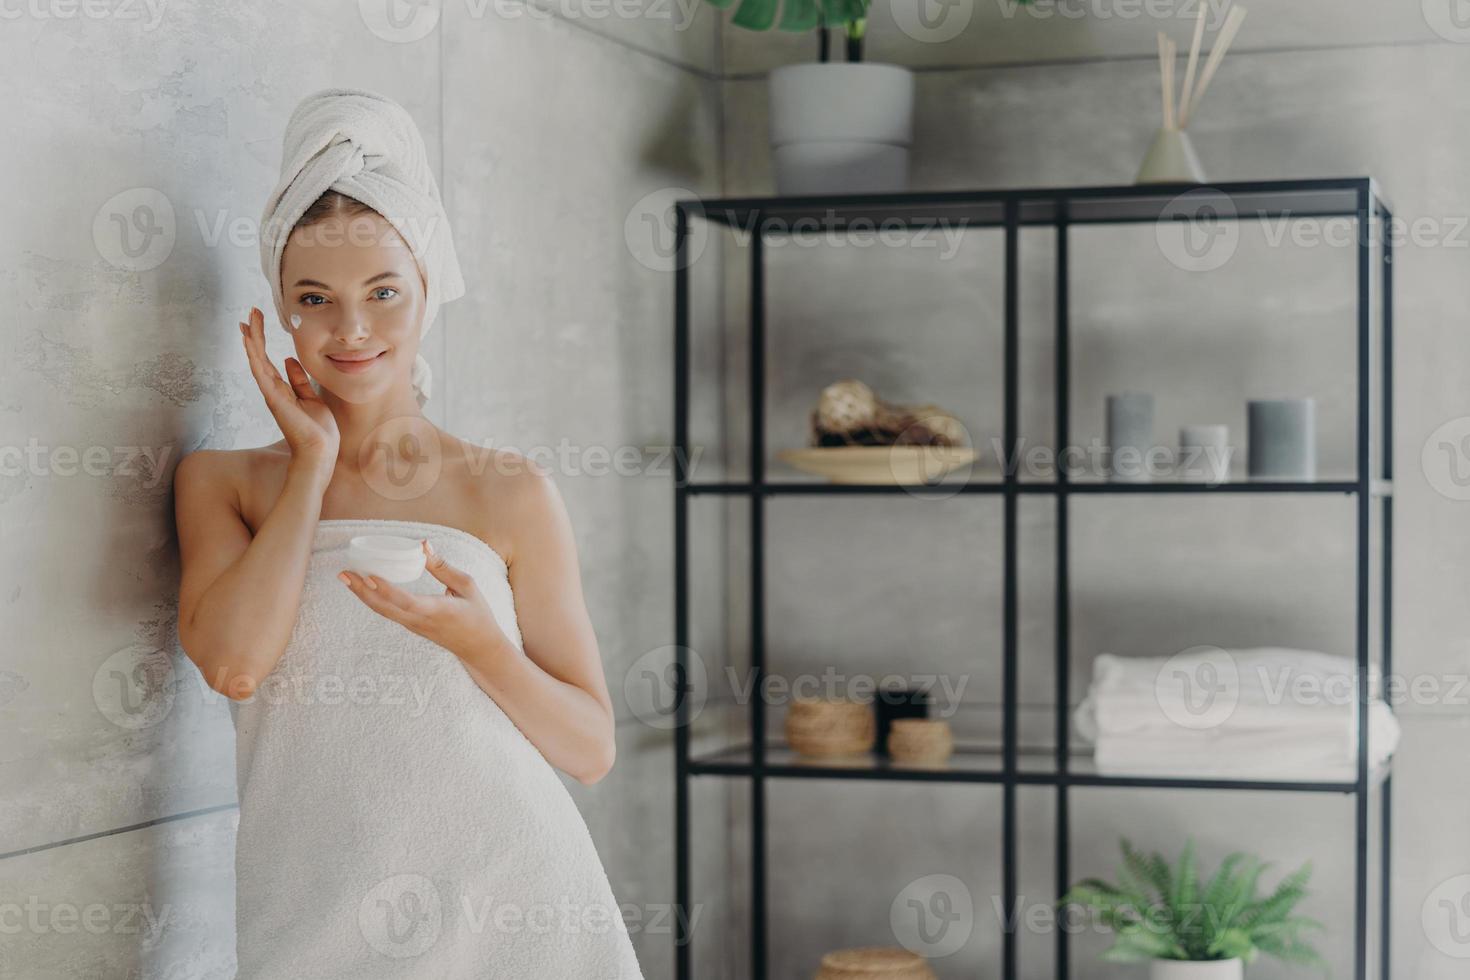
(389,557)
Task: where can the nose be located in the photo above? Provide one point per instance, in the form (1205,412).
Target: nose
(352,325)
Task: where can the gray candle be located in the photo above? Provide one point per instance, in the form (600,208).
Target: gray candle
(1283,438)
(1130,435)
(1204,453)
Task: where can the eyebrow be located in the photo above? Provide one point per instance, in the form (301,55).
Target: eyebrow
(365,282)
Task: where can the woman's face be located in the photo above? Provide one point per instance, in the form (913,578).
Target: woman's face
(354,283)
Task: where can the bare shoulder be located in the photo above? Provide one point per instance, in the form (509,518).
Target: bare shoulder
(238,475)
(518,495)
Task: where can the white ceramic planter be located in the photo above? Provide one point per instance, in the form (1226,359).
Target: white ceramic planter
(1201,970)
(841,127)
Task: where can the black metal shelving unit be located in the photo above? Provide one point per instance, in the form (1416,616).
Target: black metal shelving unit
(1358,198)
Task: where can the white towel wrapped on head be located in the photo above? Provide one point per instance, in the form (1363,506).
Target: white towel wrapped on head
(367,147)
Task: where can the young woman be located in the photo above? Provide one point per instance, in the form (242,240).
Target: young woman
(399,811)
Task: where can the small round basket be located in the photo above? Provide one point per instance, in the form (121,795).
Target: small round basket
(925,740)
(825,727)
(874,963)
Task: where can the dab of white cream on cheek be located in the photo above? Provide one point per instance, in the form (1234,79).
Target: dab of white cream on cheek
(296,321)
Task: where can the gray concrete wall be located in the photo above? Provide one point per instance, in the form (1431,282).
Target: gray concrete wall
(137,138)
(879,585)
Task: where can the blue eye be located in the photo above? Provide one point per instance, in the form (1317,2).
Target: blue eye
(390,289)
(312,296)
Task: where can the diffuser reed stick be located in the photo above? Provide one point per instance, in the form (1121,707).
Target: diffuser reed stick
(1199,33)
(1217,54)
(1171,157)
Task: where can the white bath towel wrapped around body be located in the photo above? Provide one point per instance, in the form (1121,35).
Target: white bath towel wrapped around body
(394,821)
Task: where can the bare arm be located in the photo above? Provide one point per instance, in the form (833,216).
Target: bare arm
(557,692)
(238,595)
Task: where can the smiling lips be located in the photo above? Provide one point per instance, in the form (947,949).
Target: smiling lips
(356,362)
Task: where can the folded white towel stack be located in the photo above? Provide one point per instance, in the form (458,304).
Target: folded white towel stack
(1268,712)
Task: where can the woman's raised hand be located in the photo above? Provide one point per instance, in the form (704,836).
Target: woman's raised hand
(305,420)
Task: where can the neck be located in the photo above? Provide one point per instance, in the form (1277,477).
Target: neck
(391,431)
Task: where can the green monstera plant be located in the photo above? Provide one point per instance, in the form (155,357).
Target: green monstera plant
(805,15)
(1163,913)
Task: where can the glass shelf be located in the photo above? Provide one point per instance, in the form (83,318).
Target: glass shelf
(985,764)
(1115,204)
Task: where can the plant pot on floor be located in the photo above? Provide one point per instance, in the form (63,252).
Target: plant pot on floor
(841,127)
(1196,969)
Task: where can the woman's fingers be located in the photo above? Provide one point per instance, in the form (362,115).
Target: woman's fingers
(257,342)
(388,600)
(459,583)
(300,380)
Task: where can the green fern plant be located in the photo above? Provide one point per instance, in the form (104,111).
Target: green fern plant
(1159,912)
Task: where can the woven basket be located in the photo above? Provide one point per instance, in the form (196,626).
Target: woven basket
(920,740)
(822,727)
(874,963)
